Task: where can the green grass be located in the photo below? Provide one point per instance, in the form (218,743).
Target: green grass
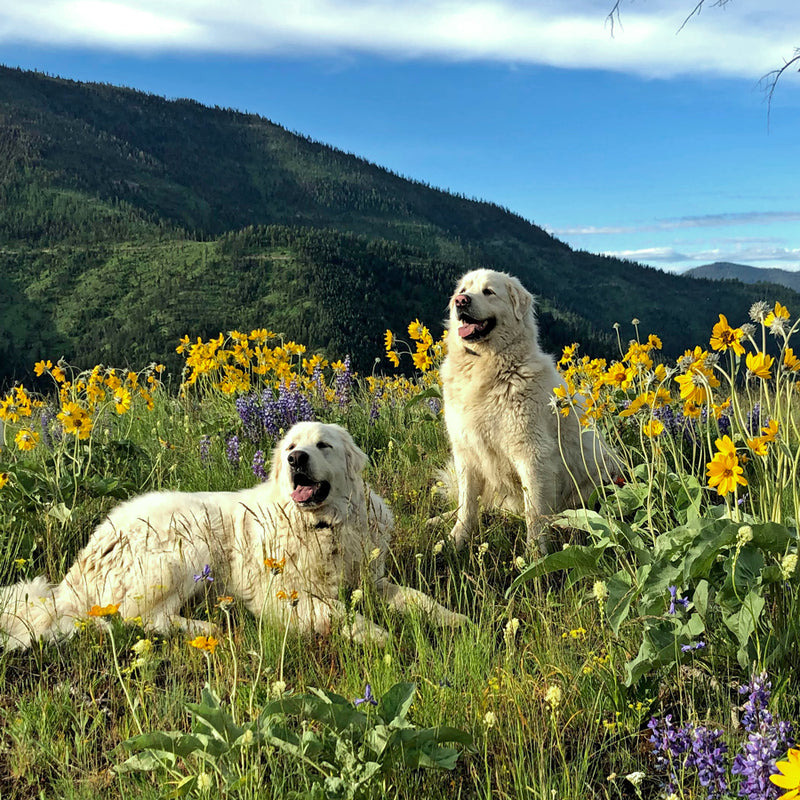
(547,705)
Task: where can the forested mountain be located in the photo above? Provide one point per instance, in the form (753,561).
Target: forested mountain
(128,220)
(725,270)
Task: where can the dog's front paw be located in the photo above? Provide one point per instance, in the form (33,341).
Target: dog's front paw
(458,536)
(363,631)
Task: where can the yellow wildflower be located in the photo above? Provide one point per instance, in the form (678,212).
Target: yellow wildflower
(40,366)
(104,611)
(422,361)
(26,439)
(653,428)
(122,400)
(723,470)
(393,357)
(789,776)
(619,376)
(205,643)
(4,476)
(724,337)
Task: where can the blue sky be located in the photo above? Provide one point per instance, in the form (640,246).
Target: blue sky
(647,141)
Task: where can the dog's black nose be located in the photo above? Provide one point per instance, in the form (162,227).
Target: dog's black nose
(298,459)
(462,300)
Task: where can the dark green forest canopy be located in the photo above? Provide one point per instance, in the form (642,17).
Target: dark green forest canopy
(128,220)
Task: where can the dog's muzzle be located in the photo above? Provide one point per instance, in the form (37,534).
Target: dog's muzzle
(471,328)
(306,491)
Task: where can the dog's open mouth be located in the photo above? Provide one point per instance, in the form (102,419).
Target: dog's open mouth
(308,492)
(473,329)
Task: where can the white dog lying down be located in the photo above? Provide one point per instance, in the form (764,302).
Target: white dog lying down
(509,447)
(315,517)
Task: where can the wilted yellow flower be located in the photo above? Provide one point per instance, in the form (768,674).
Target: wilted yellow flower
(393,357)
(760,365)
(790,361)
(274,565)
(779,312)
(289,598)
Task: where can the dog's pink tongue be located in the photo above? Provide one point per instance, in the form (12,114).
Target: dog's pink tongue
(302,493)
(467,330)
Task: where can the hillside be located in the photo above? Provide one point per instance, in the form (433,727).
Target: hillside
(724,270)
(128,220)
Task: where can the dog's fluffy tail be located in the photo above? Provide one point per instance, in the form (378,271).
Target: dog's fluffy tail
(28,612)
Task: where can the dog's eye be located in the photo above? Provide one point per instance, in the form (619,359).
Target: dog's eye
(488,291)
(290,447)
(323,445)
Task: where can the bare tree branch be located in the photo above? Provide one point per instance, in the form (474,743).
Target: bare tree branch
(768,82)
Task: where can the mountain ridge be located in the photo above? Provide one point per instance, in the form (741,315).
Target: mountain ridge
(727,270)
(128,220)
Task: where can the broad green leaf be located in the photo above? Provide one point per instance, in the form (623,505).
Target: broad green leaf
(621,593)
(394,705)
(582,559)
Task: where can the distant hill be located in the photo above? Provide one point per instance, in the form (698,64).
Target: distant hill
(724,270)
(128,220)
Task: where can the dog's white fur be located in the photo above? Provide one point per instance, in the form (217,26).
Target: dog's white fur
(509,447)
(145,555)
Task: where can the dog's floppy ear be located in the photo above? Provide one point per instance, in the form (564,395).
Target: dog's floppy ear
(278,463)
(521,299)
(355,458)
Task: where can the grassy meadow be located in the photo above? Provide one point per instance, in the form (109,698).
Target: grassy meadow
(651,654)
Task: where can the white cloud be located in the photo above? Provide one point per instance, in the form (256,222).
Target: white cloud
(725,41)
(700,221)
(752,255)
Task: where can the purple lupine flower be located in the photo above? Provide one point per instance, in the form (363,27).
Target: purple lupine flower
(232,451)
(687,648)
(670,745)
(343,383)
(767,740)
(204,447)
(374,412)
(319,384)
(247,408)
(754,422)
(673,595)
(367,698)
(205,575)
(708,758)
(260,465)
(724,425)
(435,405)
(46,419)
(270,418)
